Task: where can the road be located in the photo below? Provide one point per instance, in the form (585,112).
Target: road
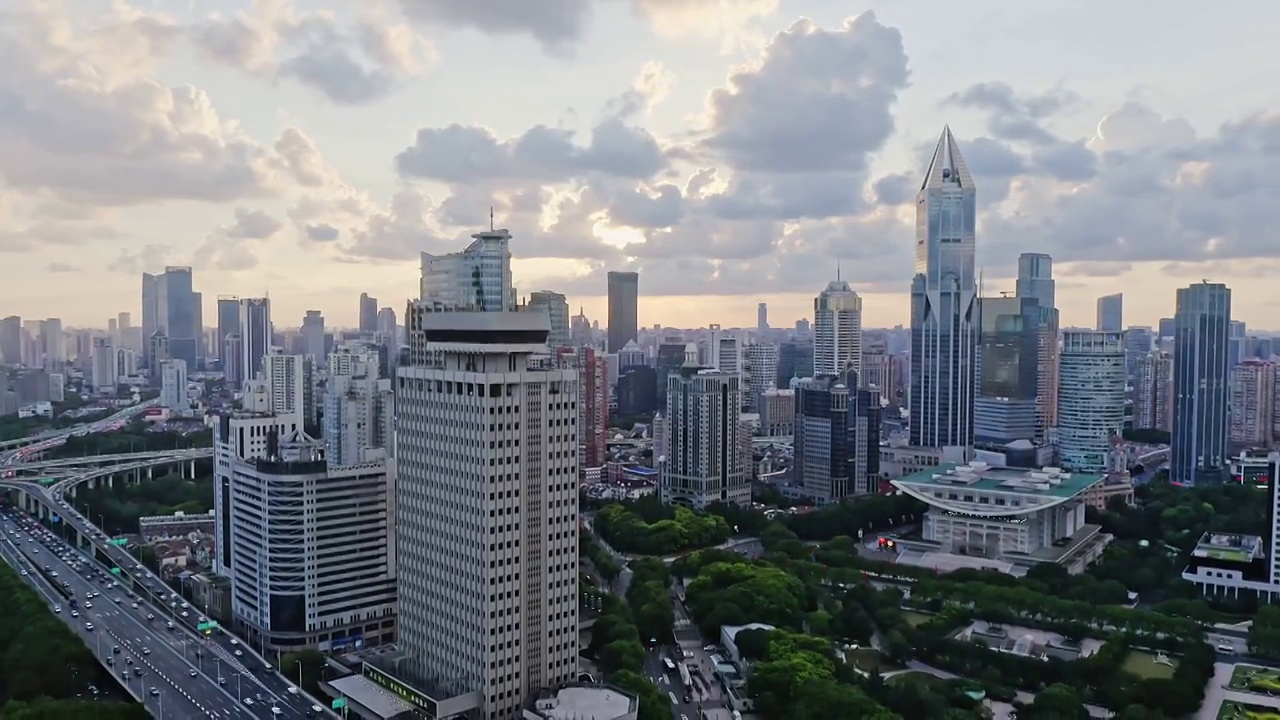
(158,667)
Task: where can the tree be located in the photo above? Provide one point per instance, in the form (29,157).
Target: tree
(307,664)
(654,704)
(752,643)
(1056,702)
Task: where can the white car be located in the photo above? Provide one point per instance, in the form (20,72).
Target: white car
(239,653)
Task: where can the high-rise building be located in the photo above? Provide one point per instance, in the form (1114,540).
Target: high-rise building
(944,303)
(837,432)
(593,409)
(1138,343)
(124,321)
(488,579)
(368,313)
(313,335)
(126,362)
(1252,404)
(724,350)
(837,330)
(54,342)
(883,371)
(173,386)
(228,311)
(1007,405)
(178,313)
(286,382)
(308,548)
(762,316)
(150,314)
(624,313)
(761,372)
(1110,313)
(795,360)
(388,329)
(11,340)
(104,366)
(1236,343)
(557,309)
(1198,451)
(158,351)
(478,278)
(580,333)
(1153,392)
(256,333)
(703,425)
(1091,378)
(359,425)
(1035,279)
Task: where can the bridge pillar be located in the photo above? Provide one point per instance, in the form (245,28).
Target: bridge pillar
(193,469)
(149,471)
(72,490)
(110,481)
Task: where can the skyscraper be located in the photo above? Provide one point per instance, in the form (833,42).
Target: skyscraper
(624,301)
(762,317)
(179,314)
(593,409)
(944,303)
(104,365)
(557,309)
(173,387)
(1035,279)
(1091,378)
(150,314)
(486,512)
(285,376)
(703,428)
(228,308)
(1153,392)
(1111,313)
(837,330)
(358,405)
(368,313)
(1252,405)
(1198,451)
(313,335)
(1007,400)
(11,340)
(761,372)
(255,335)
(478,278)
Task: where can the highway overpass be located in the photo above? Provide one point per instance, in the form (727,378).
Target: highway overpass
(114,459)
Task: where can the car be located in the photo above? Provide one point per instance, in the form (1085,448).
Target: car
(169,625)
(88,605)
(222,680)
(109,661)
(151,616)
(146,651)
(293,690)
(235,641)
(128,661)
(155,691)
(75,614)
(239,653)
(276,711)
(24,573)
(88,626)
(135,606)
(137,672)
(115,650)
(248,701)
(192,673)
(57,608)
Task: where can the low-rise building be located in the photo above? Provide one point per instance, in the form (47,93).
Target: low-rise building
(729,634)
(578,701)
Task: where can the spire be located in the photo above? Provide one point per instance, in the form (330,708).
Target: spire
(490,218)
(947,165)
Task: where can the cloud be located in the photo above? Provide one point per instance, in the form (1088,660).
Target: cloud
(61,267)
(1013,116)
(150,258)
(252,225)
(350,64)
(1093,268)
(322,232)
(231,247)
(728,21)
(556,24)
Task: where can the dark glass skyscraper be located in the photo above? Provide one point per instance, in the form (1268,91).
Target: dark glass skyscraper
(368,313)
(1201,374)
(179,314)
(944,303)
(1006,406)
(624,300)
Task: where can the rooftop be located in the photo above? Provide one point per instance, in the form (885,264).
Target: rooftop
(370,695)
(579,702)
(1229,547)
(1047,482)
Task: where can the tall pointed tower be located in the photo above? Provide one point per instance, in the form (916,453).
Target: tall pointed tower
(944,303)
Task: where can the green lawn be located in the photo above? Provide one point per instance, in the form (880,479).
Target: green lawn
(922,679)
(868,659)
(1251,678)
(1240,711)
(1144,665)
(916,619)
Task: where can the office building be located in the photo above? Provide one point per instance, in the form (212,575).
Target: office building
(368,313)
(944,303)
(312,331)
(173,387)
(285,375)
(11,340)
(1138,343)
(837,330)
(150,313)
(724,350)
(126,362)
(593,409)
(1153,392)
(795,360)
(388,328)
(1091,385)
(1237,343)
(487,512)
(778,413)
(359,424)
(104,366)
(1007,405)
(704,463)
(178,314)
(884,372)
(624,302)
(228,312)
(1201,377)
(760,372)
(1252,405)
(580,333)
(1035,279)
(1110,313)
(256,332)
(831,441)
(762,317)
(308,548)
(477,278)
(557,309)
(158,351)
(1238,566)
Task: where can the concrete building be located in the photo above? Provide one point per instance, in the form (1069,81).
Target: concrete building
(1153,392)
(624,309)
(228,319)
(837,330)
(359,420)
(487,512)
(1252,402)
(313,335)
(593,409)
(308,548)
(126,363)
(760,371)
(1004,519)
(173,387)
(11,340)
(1091,387)
(287,384)
(580,702)
(104,366)
(705,463)
(1201,377)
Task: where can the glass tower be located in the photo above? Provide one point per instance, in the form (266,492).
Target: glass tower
(1198,448)
(944,303)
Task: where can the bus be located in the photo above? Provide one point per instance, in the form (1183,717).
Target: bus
(671,667)
(684,677)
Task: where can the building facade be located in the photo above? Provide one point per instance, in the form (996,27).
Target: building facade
(837,330)
(256,333)
(1110,313)
(704,462)
(1090,398)
(1153,392)
(944,303)
(1007,403)
(557,309)
(1253,401)
(1201,376)
(624,309)
(477,278)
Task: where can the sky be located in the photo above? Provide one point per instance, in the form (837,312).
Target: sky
(730,151)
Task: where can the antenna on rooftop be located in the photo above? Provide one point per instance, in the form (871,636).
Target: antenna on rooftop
(491,218)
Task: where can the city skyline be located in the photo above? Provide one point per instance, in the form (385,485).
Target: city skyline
(660,152)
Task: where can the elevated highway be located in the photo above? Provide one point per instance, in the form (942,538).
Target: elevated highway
(114,459)
(118,418)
